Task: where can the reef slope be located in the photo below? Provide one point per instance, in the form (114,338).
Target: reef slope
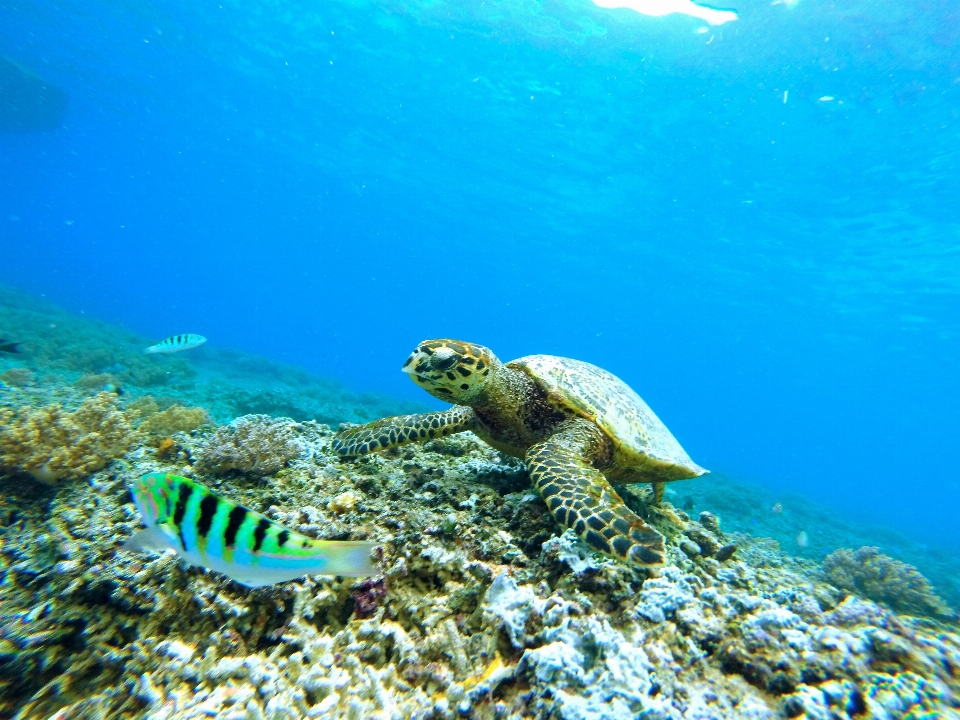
(482,611)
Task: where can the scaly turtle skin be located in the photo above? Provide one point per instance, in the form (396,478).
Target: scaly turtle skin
(575,425)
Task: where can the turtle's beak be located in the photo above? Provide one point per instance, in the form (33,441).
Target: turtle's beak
(416,360)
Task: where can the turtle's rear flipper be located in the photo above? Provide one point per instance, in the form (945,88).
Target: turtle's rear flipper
(658,490)
(580,497)
(402,429)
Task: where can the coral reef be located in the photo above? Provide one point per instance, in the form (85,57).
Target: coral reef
(255,444)
(142,408)
(759,511)
(51,443)
(174,419)
(224,382)
(57,340)
(484,611)
(871,574)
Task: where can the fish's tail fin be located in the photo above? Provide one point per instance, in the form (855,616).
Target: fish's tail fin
(329,557)
(348,558)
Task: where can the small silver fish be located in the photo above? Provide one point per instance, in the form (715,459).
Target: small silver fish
(210,531)
(803,539)
(176,343)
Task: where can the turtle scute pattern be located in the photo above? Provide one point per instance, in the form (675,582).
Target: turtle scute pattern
(401,429)
(644,448)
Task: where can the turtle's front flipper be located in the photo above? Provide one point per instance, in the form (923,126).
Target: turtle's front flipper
(401,429)
(580,497)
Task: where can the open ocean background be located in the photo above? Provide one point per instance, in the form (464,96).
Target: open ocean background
(326,184)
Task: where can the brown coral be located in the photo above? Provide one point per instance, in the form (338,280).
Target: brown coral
(52,443)
(142,408)
(869,573)
(174,419)
(257,444)
(17,377)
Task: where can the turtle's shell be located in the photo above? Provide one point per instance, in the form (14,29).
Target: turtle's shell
(644,450)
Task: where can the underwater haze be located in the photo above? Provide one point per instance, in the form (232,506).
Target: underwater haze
(755,224)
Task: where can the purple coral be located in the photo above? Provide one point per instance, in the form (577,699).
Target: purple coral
(367,596)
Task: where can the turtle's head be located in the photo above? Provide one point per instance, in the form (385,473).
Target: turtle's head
(451,370)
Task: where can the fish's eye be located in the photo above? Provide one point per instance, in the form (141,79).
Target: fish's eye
(443,359)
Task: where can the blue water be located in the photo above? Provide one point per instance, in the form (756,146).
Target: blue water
(776,273)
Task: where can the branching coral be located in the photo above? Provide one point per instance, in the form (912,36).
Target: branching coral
(258,444)
(871,574)
(52,443)
(176,418)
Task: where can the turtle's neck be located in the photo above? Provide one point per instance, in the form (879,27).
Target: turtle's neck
(513,411)
(504,393)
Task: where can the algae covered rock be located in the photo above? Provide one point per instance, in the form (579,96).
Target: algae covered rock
(51,443)
(255,444)
(871,574)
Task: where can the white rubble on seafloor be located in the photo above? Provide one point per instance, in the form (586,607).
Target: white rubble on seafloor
(513,605)
(570,550)
(593,670)
(323,677)
(662,596)
(471,627)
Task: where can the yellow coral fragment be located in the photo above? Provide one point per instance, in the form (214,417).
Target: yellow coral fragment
(165,447)
(492,669)
(52,443)
(343,503)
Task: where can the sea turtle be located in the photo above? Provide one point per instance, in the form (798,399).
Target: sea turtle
(578,427)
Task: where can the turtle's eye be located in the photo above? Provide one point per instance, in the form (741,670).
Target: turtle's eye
(443,359)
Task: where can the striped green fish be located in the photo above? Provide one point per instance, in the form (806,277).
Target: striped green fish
(213,532)
(176,343)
